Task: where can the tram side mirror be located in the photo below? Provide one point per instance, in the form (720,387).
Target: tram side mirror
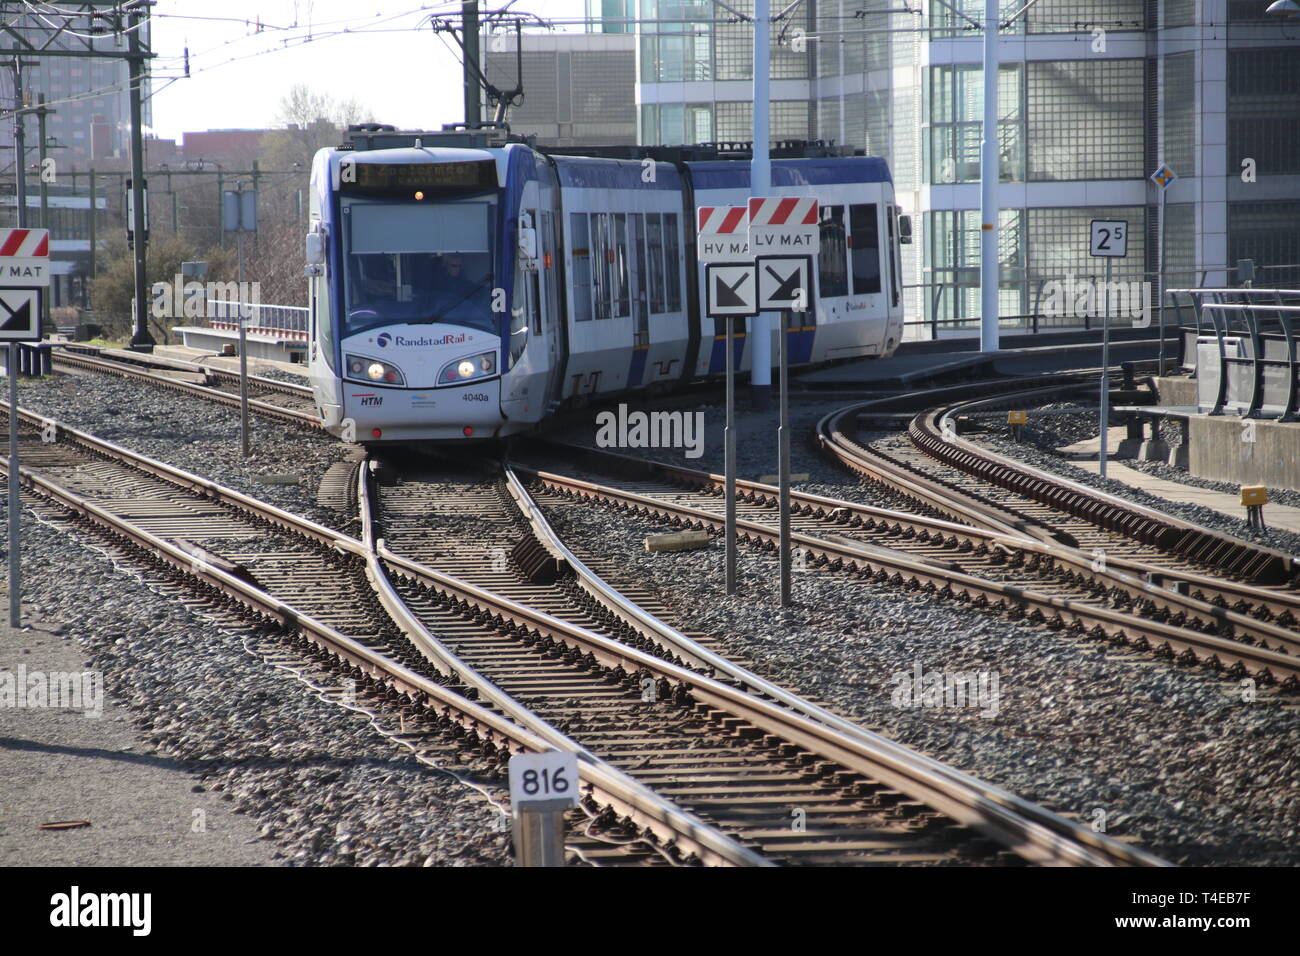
(528,245)
(315,254)
(905,230)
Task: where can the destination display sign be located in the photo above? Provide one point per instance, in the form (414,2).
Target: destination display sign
(409,178)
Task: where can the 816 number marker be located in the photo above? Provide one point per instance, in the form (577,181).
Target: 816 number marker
(543,777)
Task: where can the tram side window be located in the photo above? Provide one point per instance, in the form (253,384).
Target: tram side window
(600,254)
(654,231)
(581,240)
(864,240)
(832,271)
(622,280)
(672,262)
(894,281)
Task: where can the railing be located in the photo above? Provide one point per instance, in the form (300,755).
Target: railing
(286,321)
(1240,343)
(1023,298)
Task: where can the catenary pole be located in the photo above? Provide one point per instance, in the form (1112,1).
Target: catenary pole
(141,340)
(14,504)
(760,184)
(989,186)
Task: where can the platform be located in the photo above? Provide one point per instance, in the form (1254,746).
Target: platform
(86,764)
(1084,455)
(228,363)
(288,347)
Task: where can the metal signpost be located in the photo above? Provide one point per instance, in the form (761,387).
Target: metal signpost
(724,239)
(24,275)
(1108,239)
(542,787)
(784,225)
(239,215)
(1162,177)
(785,285)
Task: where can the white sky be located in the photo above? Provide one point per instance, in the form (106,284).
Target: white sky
(396,67)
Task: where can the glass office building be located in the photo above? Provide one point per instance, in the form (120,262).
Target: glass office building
(1092,98)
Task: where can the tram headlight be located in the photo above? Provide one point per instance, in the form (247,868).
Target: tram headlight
(468,369)
(373,370)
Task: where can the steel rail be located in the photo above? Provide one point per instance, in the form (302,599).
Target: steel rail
(1105,510)
(890,764)
(1241,596)
(1170,641)
(621,793)
(629,798)
(204,391)
(899,769)
(669,637)
(1141,582)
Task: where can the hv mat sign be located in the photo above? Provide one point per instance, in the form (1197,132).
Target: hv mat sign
(24,258)
(723,234)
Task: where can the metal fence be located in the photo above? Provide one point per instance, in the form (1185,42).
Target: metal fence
(1025,301)
(1241,344)
(286,321)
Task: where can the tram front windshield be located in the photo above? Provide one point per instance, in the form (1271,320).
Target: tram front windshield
(418,262)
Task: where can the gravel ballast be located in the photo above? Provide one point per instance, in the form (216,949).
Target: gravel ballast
(1173,757)
(1040,450)
(320,785)
(195,435)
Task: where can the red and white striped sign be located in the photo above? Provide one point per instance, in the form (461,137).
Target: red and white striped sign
(779,212)
(723,234)
(783,225)
(721,220)
(24,258)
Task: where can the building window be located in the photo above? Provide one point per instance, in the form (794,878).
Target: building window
(1083,16)
(1179,101)
(956,111)
(1059,241)
(1086,119)
(1268,233)
(952,266)
(1263,111)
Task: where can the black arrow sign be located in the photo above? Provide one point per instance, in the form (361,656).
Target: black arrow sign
(789,287)
(16,320)
(724,296)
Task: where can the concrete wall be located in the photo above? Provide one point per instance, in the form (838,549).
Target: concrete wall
(1176,391)
(1219,451)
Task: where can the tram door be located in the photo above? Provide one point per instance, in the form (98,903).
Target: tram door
(549,305)
(640,299)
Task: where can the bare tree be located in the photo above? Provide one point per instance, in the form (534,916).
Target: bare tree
(309,121)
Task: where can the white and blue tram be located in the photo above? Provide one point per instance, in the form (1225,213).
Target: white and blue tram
(461,291)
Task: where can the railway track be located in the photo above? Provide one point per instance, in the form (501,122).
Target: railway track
(280,400)
(942,472)
(978,486)
(371,610)
(1062,588)
(731,748)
